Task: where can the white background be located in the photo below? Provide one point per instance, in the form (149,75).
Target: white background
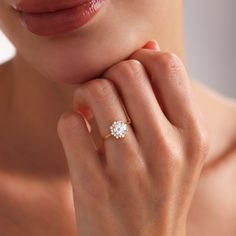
(210,34)
(6,48)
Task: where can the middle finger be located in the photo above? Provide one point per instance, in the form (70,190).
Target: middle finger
(140,100)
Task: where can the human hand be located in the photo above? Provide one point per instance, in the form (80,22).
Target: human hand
(140,185)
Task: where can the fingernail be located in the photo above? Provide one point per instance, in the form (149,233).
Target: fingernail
(152,44)
(155,45)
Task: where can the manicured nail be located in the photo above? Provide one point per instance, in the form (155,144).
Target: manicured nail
(152,44)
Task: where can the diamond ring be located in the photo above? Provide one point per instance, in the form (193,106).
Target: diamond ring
(118,129)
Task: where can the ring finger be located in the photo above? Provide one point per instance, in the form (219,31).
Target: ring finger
(100,96)
(132,81)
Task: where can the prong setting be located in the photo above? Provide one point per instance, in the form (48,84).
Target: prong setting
(119,129)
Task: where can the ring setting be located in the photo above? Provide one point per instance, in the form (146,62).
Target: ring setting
(118,129)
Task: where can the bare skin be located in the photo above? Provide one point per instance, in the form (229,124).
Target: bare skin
(36,197)
(214,193)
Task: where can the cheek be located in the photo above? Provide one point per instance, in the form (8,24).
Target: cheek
(84,54)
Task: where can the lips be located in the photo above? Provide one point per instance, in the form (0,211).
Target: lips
(47,18)
(43,6)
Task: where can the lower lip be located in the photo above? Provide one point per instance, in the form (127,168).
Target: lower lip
(53,23)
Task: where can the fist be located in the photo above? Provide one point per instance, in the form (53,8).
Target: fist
(140,184)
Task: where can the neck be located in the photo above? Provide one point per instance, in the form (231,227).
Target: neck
(32,108)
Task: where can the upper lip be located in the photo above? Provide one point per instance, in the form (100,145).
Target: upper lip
(43,6)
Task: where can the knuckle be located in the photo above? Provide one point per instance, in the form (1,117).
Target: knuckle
(173,161)
(102,89)
(170,153)
(68,122)
(202,141)
(199,144)
(169,63)
(129,70)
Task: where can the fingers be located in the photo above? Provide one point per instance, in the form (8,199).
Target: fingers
(84,165)
(132,83)
(170,80)
(101,97)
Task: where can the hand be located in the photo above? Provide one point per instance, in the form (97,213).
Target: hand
(140,185)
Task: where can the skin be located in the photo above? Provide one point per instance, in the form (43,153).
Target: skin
(54,160)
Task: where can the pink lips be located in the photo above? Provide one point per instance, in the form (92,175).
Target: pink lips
(47,18)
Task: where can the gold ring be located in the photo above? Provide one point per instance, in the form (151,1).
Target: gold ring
(118,129)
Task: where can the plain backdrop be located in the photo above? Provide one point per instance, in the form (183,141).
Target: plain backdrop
(210,37)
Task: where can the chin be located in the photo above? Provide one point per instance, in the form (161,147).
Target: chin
(77,66)
(80,56)
(85,53)
(76,57)
(71,72)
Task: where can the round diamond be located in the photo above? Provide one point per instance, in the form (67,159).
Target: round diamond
(119,129)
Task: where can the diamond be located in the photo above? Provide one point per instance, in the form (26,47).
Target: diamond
(119,129)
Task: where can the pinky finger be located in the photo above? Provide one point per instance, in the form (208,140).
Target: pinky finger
(82,157)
